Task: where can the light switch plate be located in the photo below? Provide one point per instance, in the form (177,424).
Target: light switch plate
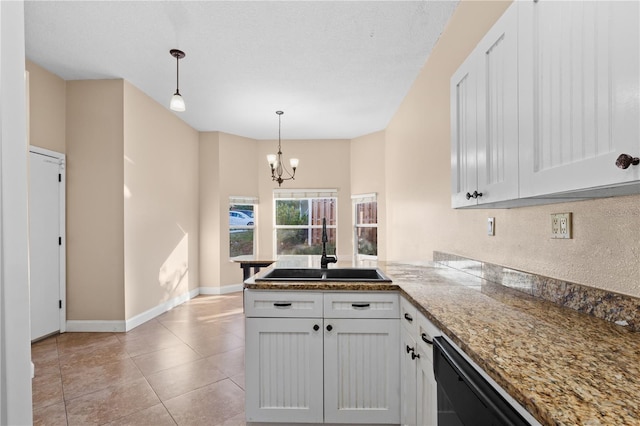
(491,223)
(561,225)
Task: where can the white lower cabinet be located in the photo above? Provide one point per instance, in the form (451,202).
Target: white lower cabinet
(418,396)
(340,368)
(283,369)
(361,381)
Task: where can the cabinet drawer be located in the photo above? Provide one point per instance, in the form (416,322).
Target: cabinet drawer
(282,304)
(408,316)
(361,305)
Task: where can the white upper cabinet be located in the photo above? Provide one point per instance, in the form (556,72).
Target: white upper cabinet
(464,177)
(545,105)
(484,124)
(579,90)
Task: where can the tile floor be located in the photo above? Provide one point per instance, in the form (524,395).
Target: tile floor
(184,367)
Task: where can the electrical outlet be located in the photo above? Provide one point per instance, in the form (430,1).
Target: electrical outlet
(491,230)
(561,225)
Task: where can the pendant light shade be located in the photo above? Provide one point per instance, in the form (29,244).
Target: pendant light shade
(177,103)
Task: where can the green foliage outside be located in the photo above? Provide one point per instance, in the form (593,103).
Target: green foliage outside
(241,242)
(292,212)
(368,241)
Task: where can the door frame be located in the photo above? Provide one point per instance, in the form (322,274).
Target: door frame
(62,226)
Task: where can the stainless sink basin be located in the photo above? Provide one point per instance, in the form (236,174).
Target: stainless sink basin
(331,274)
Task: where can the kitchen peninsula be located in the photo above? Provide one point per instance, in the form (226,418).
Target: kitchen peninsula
(563,366)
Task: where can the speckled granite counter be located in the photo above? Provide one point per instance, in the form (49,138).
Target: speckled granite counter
(563,366)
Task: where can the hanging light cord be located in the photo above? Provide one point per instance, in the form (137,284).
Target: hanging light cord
(177,75)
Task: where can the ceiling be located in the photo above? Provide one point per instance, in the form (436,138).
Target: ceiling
(338,69)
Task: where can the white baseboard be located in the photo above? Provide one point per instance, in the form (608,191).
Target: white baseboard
(89,326)
(123,326)
(160,309)
(222,290)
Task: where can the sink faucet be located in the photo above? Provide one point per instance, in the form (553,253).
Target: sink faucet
(325,260)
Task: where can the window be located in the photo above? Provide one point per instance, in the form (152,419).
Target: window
(366,225)
(298,221)
(242,224)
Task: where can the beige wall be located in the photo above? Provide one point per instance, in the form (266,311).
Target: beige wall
(95,219)
(228,167)
(210,222)
(239,175)
(160,204)
(604,251)
(47,111)
(368,176)
(323,164)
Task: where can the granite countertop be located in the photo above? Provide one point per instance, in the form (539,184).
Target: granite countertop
(563,366)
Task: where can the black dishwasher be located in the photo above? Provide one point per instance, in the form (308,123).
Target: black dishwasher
(465,398)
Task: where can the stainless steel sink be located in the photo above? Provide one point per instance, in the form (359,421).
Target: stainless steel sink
(331,274)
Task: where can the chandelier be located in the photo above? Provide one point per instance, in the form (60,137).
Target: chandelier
(275,161)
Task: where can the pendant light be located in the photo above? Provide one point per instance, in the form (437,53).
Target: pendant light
(275,161)
(177,103)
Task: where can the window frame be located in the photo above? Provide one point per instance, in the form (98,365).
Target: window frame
(244,201)
(363,199)
(298,195)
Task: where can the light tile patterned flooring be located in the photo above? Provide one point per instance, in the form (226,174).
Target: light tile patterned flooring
(184,367)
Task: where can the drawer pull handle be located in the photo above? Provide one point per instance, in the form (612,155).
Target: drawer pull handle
(316,327)
(426,339)
(408,317)
(282,304)
(360,305)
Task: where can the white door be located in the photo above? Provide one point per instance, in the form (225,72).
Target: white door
(464,177)
(361,371)
(497,111)
(283,366)
(45,244)
(579,105)
(408,378)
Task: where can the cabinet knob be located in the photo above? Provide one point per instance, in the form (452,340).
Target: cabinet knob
(316,327)
(414,355)
(409,349)
(475,195)
(329,327)
(625,160)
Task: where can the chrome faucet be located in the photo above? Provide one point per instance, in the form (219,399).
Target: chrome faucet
(325,260)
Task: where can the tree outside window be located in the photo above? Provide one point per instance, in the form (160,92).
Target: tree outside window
(366,226)
(298,225)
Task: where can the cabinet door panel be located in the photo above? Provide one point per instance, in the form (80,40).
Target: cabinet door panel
(362,370)
(579,108)
(283,370)
(463,133)
(497,144)
(427,407)
(407,379)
